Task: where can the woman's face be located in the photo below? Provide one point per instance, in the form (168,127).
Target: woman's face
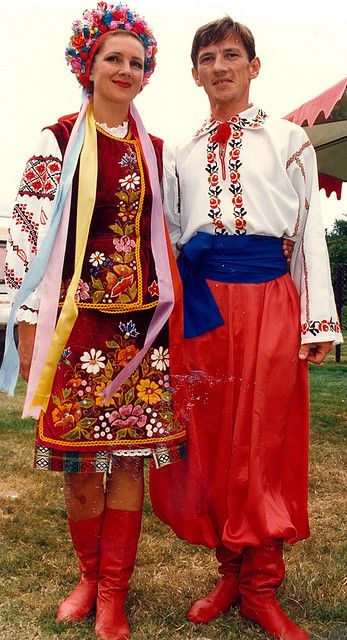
(118,69)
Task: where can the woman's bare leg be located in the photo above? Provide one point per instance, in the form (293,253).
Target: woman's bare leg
(125,485)
(84,495)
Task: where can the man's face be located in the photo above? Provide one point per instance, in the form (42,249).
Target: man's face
(225,73)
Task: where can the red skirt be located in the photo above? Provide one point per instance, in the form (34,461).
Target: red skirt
(245,479)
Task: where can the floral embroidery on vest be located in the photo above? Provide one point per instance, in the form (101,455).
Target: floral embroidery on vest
(229,134)
(112,279)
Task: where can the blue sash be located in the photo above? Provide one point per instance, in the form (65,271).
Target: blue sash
(238,258)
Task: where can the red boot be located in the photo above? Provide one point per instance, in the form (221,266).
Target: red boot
(262,572)
(120,535)
(226,592)
(85,536)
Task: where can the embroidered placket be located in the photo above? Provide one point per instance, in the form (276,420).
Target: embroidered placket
(230,134)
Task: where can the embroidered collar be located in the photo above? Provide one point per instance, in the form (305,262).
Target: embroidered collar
(251,118)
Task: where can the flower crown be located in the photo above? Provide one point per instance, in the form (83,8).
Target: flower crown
(98,22)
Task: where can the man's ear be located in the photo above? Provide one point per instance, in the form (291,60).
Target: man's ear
(196,76)
(254,68)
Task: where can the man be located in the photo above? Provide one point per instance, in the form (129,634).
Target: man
(246,180)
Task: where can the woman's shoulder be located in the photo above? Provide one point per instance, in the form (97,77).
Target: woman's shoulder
(62,129)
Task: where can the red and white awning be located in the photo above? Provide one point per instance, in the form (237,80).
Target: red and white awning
(324,119)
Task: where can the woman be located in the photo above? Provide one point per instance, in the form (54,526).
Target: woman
(99,382)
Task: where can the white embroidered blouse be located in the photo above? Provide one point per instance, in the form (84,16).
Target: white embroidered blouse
(34,206)
(263,181)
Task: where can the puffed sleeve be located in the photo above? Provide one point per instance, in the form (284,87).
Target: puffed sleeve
(31,218)
(310,266)
(170,197)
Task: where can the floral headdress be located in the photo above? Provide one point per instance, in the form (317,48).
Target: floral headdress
(88,34)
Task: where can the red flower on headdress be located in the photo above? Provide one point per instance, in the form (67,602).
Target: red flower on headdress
(78,40)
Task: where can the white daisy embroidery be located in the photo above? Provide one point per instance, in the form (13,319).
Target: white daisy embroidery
(93,361)
(97,258)
(160,359)
(130,181)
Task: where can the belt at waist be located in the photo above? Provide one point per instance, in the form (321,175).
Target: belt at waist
(242,259)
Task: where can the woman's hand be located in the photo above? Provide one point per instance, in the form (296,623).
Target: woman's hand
(316,352)
(26,339)
(287,248)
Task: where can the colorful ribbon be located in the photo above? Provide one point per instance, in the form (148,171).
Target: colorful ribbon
(32,279)
(85,207)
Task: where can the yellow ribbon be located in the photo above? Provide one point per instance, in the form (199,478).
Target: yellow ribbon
(85,206)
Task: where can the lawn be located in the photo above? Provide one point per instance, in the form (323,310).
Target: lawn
(38,567)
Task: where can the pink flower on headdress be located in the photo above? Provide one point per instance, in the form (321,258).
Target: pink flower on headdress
(77,25)
(139,28)
(76,65)
(88,16)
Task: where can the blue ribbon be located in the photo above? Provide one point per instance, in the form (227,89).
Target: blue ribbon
(10,365)
(238,258)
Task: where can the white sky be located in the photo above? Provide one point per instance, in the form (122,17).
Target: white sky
(301,44)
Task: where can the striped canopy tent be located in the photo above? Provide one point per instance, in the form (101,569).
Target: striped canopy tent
(324,119)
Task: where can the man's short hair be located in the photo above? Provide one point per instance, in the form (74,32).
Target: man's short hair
(216,31)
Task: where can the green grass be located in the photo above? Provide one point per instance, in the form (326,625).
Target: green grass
(38,567)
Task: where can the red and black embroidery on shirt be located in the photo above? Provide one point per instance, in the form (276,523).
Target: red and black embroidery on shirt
(226,141)
(41,177)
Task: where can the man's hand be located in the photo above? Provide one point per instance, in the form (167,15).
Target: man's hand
(26,336)
(287,248)
(315,353)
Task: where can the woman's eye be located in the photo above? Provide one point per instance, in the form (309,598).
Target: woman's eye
(137,65)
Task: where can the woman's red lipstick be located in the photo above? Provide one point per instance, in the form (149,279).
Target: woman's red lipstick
(120,83)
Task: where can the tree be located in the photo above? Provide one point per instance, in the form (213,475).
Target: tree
(337,247)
